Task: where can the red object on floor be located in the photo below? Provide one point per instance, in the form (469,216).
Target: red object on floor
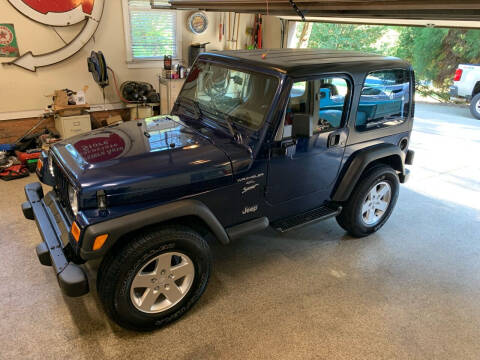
(14,172)
(23,156)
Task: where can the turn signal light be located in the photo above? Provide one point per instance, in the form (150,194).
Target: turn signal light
(458,75)
(39,165)
(99,241)
(75,231)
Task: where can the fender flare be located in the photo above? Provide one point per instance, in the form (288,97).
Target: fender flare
(360,160)
(476,87)
(117,227)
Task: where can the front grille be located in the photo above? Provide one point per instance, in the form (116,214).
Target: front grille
(61,188)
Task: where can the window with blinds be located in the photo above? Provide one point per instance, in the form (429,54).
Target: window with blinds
(152,33)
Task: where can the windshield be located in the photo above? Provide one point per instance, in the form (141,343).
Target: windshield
(225,94)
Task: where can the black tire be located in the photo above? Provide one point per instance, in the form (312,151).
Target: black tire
(350,218)
(474,108)
(120,266)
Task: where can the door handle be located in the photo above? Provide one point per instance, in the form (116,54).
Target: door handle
(333,139)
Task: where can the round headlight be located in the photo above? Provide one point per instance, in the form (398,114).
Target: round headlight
(50,165)
(72,196)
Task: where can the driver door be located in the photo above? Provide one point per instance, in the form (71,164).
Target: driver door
(309,145)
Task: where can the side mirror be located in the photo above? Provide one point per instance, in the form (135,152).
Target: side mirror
(285,148)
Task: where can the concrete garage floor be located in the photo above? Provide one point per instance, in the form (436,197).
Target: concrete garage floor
(410,291)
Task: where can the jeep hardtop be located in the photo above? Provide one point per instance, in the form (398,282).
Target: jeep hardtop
(279,138)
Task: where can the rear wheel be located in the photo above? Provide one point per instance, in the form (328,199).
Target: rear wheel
(155,278)
(371,202)
(475,106)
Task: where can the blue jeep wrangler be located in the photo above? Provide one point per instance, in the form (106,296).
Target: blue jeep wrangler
(281,140)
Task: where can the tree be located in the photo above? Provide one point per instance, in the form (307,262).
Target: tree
(422,47)
(346,36)
(434,52)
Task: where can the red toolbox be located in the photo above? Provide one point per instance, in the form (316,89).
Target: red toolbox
(23,156)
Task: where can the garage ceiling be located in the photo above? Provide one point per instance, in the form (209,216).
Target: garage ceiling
(400,12)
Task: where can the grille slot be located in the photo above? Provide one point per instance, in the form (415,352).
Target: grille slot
(61,188)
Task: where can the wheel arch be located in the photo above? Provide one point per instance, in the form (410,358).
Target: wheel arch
(476,89)
(192,213)
(362,161)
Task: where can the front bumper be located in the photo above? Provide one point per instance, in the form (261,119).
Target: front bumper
(51,252)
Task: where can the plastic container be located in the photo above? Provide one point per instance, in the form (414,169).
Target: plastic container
(7,147)
(32,165)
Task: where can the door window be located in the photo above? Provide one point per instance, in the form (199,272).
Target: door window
(297,104)
(328,95)
(385,100)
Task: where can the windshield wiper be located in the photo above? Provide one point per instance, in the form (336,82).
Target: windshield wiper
(198,109)
(228,120)
(200,114)
(196,106)
(237,135)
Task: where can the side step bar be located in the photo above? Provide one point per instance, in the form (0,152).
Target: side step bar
(309,217)
(248,227)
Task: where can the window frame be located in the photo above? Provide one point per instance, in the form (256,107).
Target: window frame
(346,106)
(148,63)
(411,99)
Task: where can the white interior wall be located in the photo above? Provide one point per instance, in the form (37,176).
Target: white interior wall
(22,91)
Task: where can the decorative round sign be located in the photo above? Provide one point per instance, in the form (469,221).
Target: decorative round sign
(59,13)
(6,36)
(198,23)
(56,13)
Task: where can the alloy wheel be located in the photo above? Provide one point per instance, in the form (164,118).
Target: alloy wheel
(162,282)
(376,203)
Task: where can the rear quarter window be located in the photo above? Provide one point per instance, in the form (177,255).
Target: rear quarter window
(385,100)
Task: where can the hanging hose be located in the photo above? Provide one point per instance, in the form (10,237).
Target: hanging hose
(264,55)
(117,88)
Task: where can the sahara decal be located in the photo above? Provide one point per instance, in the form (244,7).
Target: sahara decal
(249,188)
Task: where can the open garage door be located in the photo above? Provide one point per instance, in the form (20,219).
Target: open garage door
(462,13)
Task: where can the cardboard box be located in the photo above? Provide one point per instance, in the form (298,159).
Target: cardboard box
(113,119)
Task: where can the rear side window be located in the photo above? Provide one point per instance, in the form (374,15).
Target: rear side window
(385,100)
(333,95)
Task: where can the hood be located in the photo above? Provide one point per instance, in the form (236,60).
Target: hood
(156,158)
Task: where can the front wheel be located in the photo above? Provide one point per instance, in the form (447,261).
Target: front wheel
(371,202)
(475,106)
(155,278)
